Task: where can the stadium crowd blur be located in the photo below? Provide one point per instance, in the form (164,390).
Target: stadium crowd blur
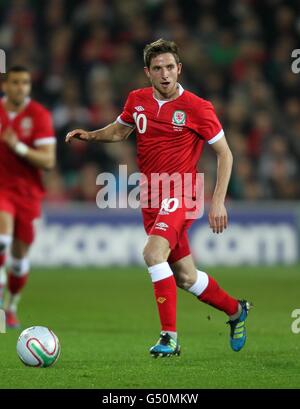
(86,56)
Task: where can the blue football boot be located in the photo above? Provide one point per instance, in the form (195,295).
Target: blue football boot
(237,327)
(166,346)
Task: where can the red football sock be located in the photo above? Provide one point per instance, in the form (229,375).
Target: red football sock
(166,297)
(2,259)
(15,283)
(218,298)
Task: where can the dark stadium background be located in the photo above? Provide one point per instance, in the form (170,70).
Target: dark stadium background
(85,56)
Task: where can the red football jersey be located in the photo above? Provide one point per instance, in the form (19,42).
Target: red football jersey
(170,134)
(33,125)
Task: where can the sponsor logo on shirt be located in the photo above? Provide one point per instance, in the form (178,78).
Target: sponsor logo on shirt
(161,226)
(139,108)
(179,118)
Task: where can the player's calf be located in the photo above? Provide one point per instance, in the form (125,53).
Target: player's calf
(17,279)
(156,253)
(5,241)
(207,290)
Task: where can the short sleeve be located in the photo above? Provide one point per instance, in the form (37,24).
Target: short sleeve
(44,131)
(206,123)
(126,117)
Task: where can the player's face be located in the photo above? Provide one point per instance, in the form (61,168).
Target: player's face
(163,74)
(17,87)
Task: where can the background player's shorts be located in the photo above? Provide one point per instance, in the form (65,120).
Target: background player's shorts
(24,211)
(172,225)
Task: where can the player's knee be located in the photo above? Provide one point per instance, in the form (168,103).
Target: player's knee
(184,280)
(153,256)
(5,242)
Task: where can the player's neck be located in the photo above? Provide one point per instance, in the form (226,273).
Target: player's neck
(10,106)
(167,97)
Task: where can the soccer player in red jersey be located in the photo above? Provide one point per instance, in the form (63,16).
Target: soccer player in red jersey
(27,146)
(172,125)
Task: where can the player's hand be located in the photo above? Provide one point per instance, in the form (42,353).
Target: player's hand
(217,217)
(78,134)
(10,138)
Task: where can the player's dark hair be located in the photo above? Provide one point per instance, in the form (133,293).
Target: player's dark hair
(16,68)
(158,47)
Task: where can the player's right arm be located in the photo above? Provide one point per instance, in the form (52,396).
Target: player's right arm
(114,132)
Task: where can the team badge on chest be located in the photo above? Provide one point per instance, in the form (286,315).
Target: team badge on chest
(179,118)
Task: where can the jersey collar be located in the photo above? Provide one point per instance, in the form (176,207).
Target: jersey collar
(27,101)
(163,101)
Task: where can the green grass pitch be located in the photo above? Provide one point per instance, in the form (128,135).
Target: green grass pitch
(106,320)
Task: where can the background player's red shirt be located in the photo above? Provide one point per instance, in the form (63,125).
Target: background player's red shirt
(170,134)
(33,125)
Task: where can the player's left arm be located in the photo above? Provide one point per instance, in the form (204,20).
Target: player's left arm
(42,157)
(217,217)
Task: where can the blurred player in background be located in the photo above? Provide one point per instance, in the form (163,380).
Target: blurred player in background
(27,146)
(172,126)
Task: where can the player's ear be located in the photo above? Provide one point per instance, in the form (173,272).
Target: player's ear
(3,86)
(179,65)
(146,70)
